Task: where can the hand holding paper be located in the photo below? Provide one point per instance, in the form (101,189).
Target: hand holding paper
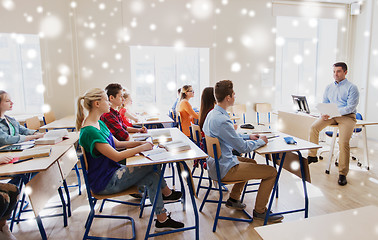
(329,109)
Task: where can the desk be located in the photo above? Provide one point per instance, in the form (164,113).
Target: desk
(52,173)
(277,146)
(194,153)
(162,119)
(360,223)
(299,124)
(66,122)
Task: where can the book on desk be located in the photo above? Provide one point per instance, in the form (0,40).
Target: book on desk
(52,137)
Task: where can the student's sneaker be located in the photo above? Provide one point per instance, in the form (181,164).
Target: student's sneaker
(235,204)
(312,159)
(261,216)
(168,224)
(136,195)
(174,196)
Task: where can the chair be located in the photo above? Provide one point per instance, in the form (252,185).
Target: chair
(48,117)
(92,199)
(172,115)
(213,150)
(239,109)
(179,120)
(330,134)
(263,108)
(195,132)
(33,123)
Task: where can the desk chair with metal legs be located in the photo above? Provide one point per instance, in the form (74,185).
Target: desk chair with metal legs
(92,199)
(213,150)
(263,108)
(333,142)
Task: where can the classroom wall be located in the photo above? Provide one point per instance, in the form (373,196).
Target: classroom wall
(56,46)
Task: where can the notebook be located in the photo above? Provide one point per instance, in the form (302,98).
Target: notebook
(16,147)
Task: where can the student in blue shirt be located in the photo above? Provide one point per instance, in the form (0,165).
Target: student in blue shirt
(346,96)
(10,130)
(232,168)
(105,174)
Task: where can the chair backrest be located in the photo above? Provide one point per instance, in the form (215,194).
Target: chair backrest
(84,168)
(179,121)
(263,108)
(195,131)
(240,109)
(33,123)
(49,117)
(210,142)
(358,117)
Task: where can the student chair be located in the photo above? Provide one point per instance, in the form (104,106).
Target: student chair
(213,150)
(33,123)
(92,199)
(48,117)
(239,110)
(179,120)
(172,115)
(195,135)
(330,134)
(263,108)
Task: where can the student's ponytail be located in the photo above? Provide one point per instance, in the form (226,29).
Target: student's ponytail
(89,97)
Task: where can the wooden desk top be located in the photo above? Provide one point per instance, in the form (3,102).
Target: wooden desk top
(278,145)
(360,223)
(34,165)
(39,164)
(162,119)
(194,153)
(66,122)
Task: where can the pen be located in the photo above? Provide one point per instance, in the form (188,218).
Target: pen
(20,161)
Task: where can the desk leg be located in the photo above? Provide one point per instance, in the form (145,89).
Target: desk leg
(154,204)
(192,194)
(332,147)
(304,182)
(366,151)
(41,228)
(274,189)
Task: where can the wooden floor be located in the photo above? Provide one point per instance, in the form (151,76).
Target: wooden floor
(326,196)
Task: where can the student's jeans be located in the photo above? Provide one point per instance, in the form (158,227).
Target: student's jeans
(146,176)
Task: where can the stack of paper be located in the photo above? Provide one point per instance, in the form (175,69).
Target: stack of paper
(34,153)
(156,154)
(175,146)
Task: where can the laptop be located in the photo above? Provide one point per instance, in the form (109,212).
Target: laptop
(16,147)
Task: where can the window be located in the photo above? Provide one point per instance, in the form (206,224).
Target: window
(157,73)
(305,54)
(20,72)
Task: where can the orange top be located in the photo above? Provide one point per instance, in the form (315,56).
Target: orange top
(187,114)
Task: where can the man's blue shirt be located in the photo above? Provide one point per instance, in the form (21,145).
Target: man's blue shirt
(218,124)
(344,94)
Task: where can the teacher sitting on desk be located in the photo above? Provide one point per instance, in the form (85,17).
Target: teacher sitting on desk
(10,130)
(345,95)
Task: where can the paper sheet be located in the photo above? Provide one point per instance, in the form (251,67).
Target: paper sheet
(329,109)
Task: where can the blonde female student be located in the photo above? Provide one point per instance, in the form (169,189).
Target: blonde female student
(105,174)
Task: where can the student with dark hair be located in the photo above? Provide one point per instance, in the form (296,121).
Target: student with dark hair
(105,174)
(113,118)
(185,109)
(207,104)
(218,125)
(10,130)
(8,199)
(177,100)
(346,96)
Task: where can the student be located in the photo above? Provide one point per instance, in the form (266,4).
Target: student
(185,109)
(207,104)
(105,174)
(127,115)
(346,96)
(10,130)
(8,199)
(218,124)
(177,100)
(113,118)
